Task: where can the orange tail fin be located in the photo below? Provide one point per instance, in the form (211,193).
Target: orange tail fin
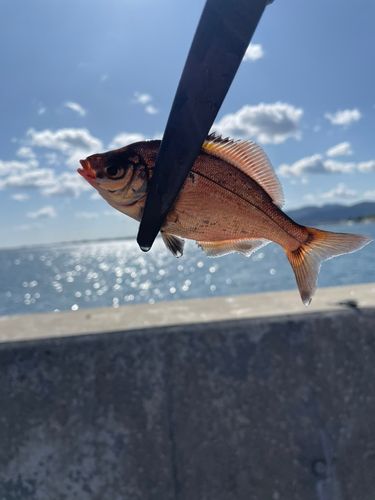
(320,246)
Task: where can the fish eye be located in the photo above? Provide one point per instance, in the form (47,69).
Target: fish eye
(114,171)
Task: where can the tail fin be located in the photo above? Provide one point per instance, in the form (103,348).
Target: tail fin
(320,246)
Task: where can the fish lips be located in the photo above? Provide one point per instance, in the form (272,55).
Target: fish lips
(87,172)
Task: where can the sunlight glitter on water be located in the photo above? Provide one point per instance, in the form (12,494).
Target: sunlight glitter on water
(111,274)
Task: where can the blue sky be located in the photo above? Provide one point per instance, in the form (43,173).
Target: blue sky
(80,77)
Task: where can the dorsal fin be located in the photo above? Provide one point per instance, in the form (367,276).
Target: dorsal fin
(249,157)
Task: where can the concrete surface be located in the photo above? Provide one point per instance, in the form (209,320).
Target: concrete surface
(108,319)
(272,408)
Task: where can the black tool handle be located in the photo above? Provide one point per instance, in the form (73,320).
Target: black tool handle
(220,42)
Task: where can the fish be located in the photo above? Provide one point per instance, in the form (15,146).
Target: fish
(231,201)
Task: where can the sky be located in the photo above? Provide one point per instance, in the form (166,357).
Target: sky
(80,77)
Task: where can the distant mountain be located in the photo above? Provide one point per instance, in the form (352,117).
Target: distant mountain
(331,213)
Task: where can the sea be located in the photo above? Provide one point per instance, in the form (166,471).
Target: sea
(73,276)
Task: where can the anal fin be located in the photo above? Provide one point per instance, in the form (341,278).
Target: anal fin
(174,244)
(218,248)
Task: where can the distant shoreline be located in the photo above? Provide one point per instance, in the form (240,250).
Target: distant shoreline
(354,220)
(361,219)
(72,242)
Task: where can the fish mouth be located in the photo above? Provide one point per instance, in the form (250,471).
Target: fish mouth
(87,170)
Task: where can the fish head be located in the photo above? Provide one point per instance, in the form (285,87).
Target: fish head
(121,177)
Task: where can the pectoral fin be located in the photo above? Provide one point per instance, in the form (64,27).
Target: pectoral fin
(218,248)
(174,244)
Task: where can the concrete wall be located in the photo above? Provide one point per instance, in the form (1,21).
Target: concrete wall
(271,408)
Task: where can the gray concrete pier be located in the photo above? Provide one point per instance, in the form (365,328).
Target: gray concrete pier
(240,398)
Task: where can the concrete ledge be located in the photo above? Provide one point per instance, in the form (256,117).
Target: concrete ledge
(38,326)
(258,408)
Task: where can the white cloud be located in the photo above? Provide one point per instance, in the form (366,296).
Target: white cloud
(41,110)
(75,143)
(67,185)
(366,166)
(124,139)
(151,110)
(308,165)
(20,197)
(46,212)
(26,152)
(103,78)
(32,179)
(340,191)
(369,194)
(315,165)
(95,196)
(87,215)
(345,117)
(339,167)
(14,167)
(74,106)
(342,149)
(254,52)
(64,139)
(142,98)
(268,123)
(45,180)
